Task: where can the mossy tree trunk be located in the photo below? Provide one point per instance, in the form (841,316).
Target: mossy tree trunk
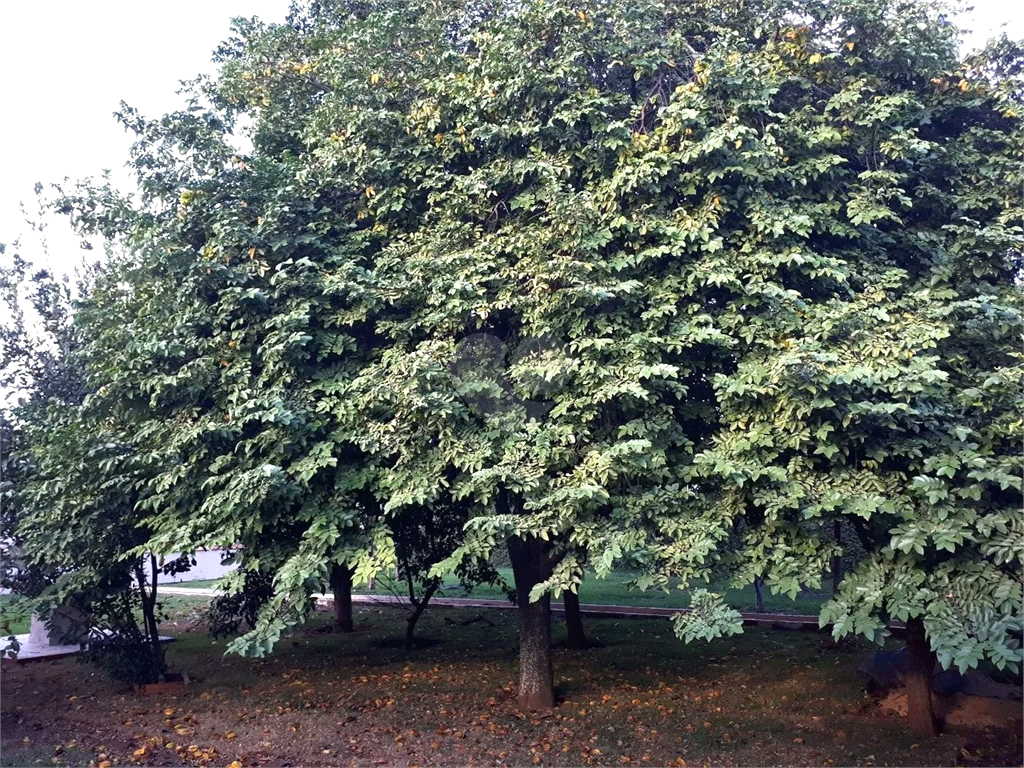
(419,605)
(759,594)
(147,588)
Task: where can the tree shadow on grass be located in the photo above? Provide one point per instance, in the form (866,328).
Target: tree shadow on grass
(392,642)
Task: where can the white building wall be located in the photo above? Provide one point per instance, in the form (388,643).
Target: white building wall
(208,566)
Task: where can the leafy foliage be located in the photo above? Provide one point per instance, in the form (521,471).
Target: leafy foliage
(225,614)
(675,285)
(70,486)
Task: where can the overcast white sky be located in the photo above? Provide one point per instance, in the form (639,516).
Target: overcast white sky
(65,66)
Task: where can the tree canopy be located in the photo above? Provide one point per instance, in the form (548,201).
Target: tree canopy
(663,284)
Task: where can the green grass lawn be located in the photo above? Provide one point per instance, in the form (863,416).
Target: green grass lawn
(199,584)
(14,620)
(613,591)
(609,591)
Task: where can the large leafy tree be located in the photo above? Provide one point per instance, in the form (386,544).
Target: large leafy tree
(535,258)
(535,363)
(292,317)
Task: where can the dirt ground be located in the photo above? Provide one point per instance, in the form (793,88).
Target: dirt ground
(639,697)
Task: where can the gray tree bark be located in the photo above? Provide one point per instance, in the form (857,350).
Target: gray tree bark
(530,565)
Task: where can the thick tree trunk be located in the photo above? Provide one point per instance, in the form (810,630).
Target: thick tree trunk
(341,586)
(759,593)
(919,681)
(837,562)
(574,620)
(530,565)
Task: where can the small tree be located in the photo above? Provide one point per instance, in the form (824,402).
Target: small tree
(71,525)
(227,613)
(424,537)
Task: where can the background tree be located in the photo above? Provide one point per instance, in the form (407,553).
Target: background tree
(71,531)
(534,258)
(230,349)
(423,538)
